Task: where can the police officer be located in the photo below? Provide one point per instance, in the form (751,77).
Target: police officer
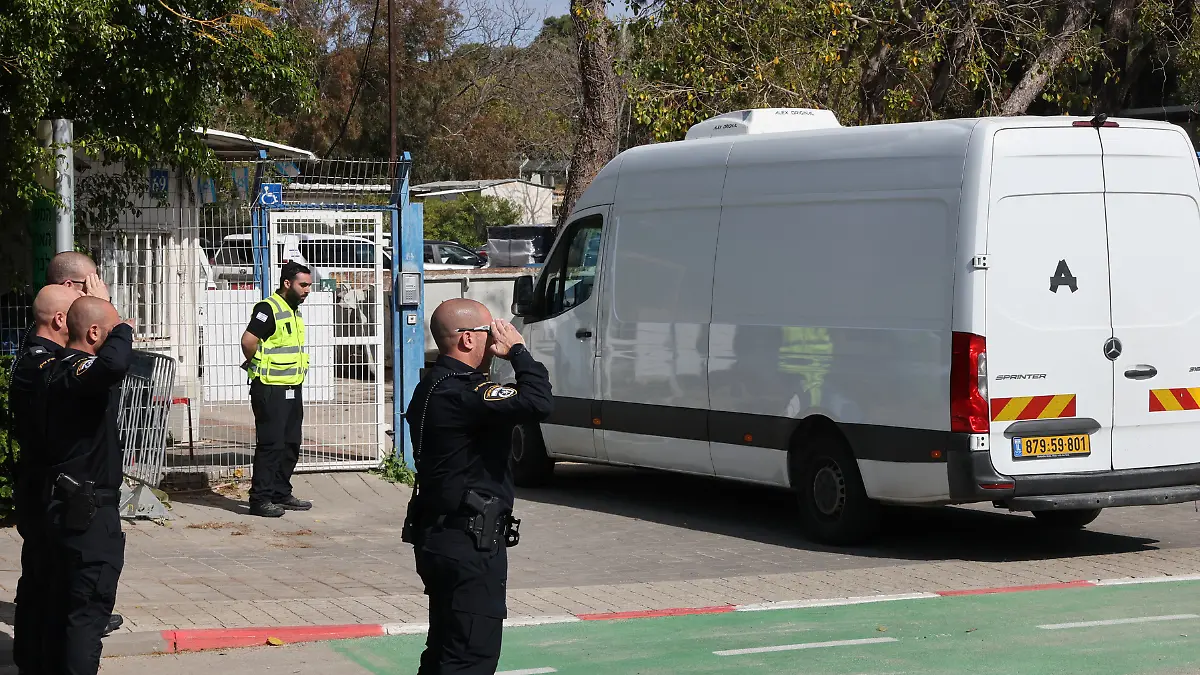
(459,520)
(273,345)
(28,400)
(83,471)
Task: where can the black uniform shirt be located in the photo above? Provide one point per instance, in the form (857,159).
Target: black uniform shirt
(27,398)
(468,428)
(82,440)
(26,393)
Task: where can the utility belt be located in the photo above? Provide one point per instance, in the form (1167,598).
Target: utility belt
(483,517)
(80,500)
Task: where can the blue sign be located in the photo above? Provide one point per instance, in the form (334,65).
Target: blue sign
(160,181)
(271,195)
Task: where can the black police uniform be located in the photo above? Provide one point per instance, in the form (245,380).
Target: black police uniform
(87,547)
(463,459)
(278,426)
(28,403)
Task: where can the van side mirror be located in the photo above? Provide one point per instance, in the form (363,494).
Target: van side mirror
(522,304)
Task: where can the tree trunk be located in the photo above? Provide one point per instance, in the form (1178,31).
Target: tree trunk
(596,142)
(873,83)
(1035,79)
(1117,30)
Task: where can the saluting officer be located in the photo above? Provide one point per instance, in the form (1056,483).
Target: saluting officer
(273,345)
(460,519)
(83,468)
(27,396)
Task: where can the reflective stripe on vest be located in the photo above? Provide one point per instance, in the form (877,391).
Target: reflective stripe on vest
(280,359)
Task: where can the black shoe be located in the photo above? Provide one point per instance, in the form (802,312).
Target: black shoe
(266,510)
(293,504)
(114,622)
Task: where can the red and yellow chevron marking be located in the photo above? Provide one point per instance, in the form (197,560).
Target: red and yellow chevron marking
(1172,400)
(1033,408)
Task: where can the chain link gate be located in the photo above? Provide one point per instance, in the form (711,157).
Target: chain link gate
(335,217)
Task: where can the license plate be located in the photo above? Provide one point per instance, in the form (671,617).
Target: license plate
(1042,447)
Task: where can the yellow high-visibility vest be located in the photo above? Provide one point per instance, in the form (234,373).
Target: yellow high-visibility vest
(280,359)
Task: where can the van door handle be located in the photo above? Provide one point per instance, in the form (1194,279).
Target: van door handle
(1141,372)
(583,334)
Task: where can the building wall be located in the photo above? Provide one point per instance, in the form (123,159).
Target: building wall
(535,201)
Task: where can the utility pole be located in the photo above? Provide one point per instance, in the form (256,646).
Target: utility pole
(64,184)
(392,74)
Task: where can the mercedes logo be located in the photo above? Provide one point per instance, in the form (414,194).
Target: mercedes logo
(1112,349)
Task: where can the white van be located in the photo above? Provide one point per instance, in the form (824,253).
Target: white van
(976,310)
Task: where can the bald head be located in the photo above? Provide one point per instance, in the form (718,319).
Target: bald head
(50,309)
(69,266)
(89,322)
(469,347)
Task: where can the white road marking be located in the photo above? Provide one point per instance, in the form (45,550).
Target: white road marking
(1119,622)
(835,602)
(806,645)
(528,671)
(539,620)
(405,628)
(1147,580)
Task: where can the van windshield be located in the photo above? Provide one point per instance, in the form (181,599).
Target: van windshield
(235,253)
(338,253)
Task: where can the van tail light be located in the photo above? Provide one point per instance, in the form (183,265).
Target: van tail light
(968,385)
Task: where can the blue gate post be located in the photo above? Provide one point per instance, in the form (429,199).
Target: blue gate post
(260,248)
(408,316)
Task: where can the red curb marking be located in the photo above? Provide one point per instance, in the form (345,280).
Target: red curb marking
(655,613)
(228,638)
(1016,589)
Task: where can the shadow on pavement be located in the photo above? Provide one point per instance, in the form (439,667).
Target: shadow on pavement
(194,488)
(768,516)
(7,611)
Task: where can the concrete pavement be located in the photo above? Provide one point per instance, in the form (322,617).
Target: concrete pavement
(599,540)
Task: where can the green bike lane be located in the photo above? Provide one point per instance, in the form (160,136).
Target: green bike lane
(1136,629)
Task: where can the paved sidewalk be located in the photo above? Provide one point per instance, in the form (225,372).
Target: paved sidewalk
(601,540)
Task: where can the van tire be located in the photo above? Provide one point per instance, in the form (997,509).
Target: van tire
(1072,519)
(530,464)
(834,507)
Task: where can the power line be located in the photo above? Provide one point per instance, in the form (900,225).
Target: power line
(362,71)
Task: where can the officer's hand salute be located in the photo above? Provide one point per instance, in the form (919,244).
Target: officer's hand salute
(460,519)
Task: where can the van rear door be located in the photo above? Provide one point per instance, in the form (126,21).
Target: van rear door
(1154,234)
(1047,303)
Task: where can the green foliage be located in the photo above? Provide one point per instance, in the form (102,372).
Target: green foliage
(8,445)
(874,61)
(136,78)
(467,218)
(393,469)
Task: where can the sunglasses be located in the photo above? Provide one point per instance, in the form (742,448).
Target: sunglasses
(477,329)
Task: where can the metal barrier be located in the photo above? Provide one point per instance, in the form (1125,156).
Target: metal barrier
(145,405)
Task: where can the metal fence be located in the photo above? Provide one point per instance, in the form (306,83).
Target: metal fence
(190,263)
(146,396)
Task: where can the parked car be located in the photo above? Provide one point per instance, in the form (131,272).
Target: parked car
(326,254)
(450,255)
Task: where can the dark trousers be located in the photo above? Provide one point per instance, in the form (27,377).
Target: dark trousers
(278,424)
(466,590)
(30,621)
(83,571)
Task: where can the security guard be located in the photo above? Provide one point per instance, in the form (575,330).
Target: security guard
(273,345)
(460,519)
(28,400)
(82,468)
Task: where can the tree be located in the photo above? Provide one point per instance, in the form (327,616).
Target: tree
(597,132)
(888,60)
(466,218)
(137,78)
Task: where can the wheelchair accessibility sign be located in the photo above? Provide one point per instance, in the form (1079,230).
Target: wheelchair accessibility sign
(270,195)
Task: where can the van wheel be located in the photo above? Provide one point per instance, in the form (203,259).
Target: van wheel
(834,507)
(531,467)
(1074,519)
